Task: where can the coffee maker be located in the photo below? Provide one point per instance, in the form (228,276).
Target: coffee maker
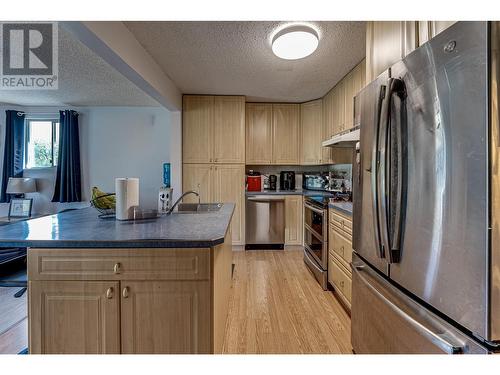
(272,181)
(287,180)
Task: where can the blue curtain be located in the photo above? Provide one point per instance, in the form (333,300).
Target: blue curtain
(68,179)
(13,162)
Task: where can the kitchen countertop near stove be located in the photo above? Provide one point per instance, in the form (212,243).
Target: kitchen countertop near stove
(344,207)
(306,193)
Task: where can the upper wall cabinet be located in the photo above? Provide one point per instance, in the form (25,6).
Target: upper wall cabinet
(229,129)
(207,124)
(286,127)
(386,43)
(338,104)
(429,29)
(354,82)
(197,129)
(259,133)
(311,123)
(273,134)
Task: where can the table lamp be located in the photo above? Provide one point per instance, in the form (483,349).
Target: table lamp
(20,186)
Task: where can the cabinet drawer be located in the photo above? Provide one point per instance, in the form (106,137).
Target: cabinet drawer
(339,278)
(119,264)
(340,221)
(340,245)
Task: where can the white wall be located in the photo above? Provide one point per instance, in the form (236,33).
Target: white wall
(114,142)
(131,142)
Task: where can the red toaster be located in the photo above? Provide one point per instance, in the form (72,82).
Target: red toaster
(253,183)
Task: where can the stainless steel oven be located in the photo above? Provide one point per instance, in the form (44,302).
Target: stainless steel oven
(316,238)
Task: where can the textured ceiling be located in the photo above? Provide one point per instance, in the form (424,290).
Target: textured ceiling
(84,80)
(236,58)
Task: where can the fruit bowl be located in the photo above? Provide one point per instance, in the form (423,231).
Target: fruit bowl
(105,203)
(104,212)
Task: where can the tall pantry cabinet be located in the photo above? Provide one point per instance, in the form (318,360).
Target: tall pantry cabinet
(213,144)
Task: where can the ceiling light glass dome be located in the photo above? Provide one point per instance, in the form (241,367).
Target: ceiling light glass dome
(295,42)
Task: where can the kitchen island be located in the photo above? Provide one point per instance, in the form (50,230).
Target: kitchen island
(106,286)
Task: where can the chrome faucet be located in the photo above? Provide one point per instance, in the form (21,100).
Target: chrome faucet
(180,198)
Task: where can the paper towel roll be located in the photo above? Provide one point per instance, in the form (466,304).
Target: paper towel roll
(127,197)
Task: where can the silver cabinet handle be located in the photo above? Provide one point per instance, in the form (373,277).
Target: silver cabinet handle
(109,293)
(125,292)
(117,268)
(265,199)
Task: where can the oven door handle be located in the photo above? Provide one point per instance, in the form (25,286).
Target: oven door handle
(316,234)
(312,208)
(311,260)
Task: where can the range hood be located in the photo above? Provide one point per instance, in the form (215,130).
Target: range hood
(347,139)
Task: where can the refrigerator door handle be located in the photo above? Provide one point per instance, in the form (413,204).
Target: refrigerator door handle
(394,86)
(437,339)
(382,171)
(374,174)
(398,87)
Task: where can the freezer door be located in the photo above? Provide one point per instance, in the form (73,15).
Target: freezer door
(366,241)
(386,321)
(444,240)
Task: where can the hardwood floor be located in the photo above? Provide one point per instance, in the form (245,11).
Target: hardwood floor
(13,321)
(277,306)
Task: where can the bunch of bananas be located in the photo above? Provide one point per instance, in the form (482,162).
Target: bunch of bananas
(103,200)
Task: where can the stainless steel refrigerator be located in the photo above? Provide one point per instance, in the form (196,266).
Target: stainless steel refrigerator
(426,235)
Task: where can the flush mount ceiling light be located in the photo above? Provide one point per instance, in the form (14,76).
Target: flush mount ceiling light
(295,42)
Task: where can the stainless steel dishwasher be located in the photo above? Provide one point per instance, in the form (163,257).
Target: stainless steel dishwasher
(265,222)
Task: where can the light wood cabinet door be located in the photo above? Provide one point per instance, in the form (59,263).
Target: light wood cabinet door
(198,177)
(229,129)
(339,108)
(286,126)
(259,133)
(429,29)
(197,129)
(350,92)
(229,187)
(327,131)
(354,82)
(222,265)
(311,115)
(340,279)
(165,317)
(386,43)
(74,317)
(294,219)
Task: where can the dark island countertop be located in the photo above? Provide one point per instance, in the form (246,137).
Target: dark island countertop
(83,229)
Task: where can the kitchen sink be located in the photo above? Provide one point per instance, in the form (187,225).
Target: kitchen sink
(198,208)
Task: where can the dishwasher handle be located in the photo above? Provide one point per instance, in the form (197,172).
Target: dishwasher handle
(265,199)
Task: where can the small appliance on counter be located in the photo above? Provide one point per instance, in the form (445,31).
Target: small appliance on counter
(164,199)
(265,182)
(287,180)
(254,181)
(314,181)
(339,178)
(166,192)
(272,181)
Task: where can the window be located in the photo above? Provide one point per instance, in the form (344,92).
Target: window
(42,143)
